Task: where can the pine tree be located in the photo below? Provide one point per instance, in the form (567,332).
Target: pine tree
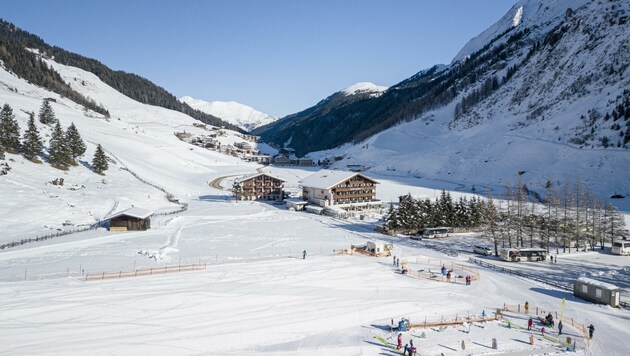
(32,145)
(75,143)
(9,130)
(58,152)
(46,114)
(99,163)
(237,190)
(1,151)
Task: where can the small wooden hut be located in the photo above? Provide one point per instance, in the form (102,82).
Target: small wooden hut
(136,219)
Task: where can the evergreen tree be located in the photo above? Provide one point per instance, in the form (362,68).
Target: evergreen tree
(46,114)
(391,219)
(58,152)
(237,190)
(32,145)
(1,151)
(99,163)
(407,214)
(75,143)
(9,130)
(445,210)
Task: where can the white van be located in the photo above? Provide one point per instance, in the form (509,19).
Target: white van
(621,247)
(482,250)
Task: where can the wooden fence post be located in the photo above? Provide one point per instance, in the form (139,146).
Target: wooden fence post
(103,276)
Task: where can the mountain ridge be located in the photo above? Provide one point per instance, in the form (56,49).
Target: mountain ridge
(241,115)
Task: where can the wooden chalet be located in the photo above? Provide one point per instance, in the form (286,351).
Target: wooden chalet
(260,186)
(132,219)
(346,190)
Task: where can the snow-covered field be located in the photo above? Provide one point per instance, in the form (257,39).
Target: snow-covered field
(256,296)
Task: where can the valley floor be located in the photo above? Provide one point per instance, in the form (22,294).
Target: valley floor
(258,296)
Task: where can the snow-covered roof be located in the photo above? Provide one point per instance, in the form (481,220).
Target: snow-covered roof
(259,174)
(326,178)
(134,212)
(597,283)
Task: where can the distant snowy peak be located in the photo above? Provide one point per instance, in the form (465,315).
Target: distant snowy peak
(364,88)
(539,16)
(238,114)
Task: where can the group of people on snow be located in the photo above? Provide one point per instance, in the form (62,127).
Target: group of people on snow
(408,349)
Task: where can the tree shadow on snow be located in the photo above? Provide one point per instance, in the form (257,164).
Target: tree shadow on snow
(382,327)
(384,350)
(559,294)
(213,197)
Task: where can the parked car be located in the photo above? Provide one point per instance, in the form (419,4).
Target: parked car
(482,250)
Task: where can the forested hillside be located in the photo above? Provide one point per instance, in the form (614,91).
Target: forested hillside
(495,72)
(14,45)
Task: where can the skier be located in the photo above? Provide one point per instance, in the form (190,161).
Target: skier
(304,254)
(560,327)
(448,276)
(530,324)
(526,307)
(394,262)
(542,331)
(443,270)
(399,345)
(397,261)
(405,349)
(591,330)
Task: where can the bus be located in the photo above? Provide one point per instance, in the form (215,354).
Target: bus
(431,232)
(523,254)
(621,247)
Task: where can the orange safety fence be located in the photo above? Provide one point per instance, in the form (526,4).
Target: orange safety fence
(144,272)
(472,272)
(543,312)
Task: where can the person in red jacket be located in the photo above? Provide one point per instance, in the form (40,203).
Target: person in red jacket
(399,346)
(530,323)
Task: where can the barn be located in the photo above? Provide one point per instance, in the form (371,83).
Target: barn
(136,219)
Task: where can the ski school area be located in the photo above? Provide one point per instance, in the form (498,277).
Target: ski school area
(226,277)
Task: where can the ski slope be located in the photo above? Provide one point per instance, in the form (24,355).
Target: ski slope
(257,296)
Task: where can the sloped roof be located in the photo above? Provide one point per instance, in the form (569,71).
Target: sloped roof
(137,213)
(258,174)
(597,283)
(326,178)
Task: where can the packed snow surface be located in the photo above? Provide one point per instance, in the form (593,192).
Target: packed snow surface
(257,295)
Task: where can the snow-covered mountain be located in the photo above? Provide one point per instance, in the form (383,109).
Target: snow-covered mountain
(364,88)
(541,96)
(238,114)
(538,16)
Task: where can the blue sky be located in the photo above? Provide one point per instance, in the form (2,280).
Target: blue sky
(278,56)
